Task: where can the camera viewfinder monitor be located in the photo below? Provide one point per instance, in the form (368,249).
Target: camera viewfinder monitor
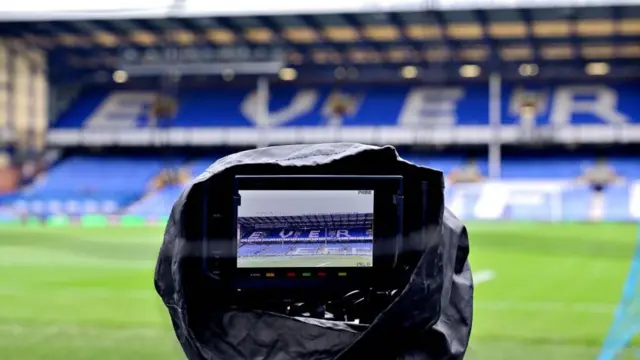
(305,228)
(300,228)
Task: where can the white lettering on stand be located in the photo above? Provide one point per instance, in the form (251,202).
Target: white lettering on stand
(431,106)
(303,102)
(603,105)
(121,110)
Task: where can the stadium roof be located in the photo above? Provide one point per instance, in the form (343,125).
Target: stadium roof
(559,41)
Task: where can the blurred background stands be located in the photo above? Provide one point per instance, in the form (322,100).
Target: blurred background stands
(532,95)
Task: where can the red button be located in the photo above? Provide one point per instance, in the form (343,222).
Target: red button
(291,274)
(321,274)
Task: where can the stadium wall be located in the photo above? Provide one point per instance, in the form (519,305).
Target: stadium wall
(595,114)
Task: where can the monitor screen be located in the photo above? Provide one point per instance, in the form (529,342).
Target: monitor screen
(305,228)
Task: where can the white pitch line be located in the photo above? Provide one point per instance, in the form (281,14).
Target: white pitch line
(483,276)
(324,264)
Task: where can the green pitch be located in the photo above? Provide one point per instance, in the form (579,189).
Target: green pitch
(544,291)
(304,261)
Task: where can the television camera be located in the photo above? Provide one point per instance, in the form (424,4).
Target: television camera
(345,244)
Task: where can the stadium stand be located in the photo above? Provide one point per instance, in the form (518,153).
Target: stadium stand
(336,220)
(419,106)
(296,234)
(316,238)
(407,107)
(82,184)
(61,191)
(157,204)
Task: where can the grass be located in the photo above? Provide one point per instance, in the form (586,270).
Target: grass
(73,293)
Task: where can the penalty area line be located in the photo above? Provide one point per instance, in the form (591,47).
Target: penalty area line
(324,264)
(483,276)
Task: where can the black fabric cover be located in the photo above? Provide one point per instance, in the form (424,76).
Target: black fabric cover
(429,320)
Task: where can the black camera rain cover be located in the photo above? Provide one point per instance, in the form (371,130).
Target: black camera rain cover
(430,319)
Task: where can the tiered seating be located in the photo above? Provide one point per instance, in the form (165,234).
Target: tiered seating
(376,106)
(276,250)
(532,168)
(628,168)
(81,109)
(543,167)
(445,164)
(250,250)
(559,167)
(200,165)
(8,214)
(81,185)
(108,185)
(157,204)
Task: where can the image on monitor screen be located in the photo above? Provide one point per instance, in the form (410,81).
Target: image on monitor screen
(305,228)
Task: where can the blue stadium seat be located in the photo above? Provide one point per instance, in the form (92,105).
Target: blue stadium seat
(627,168)
(445,163)
(157,204)
(543,168)
(81,185)
(530,168)
(250,249)
(376,106)
(200,165)
(81,109)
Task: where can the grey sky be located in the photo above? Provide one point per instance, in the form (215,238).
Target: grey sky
(299,202)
